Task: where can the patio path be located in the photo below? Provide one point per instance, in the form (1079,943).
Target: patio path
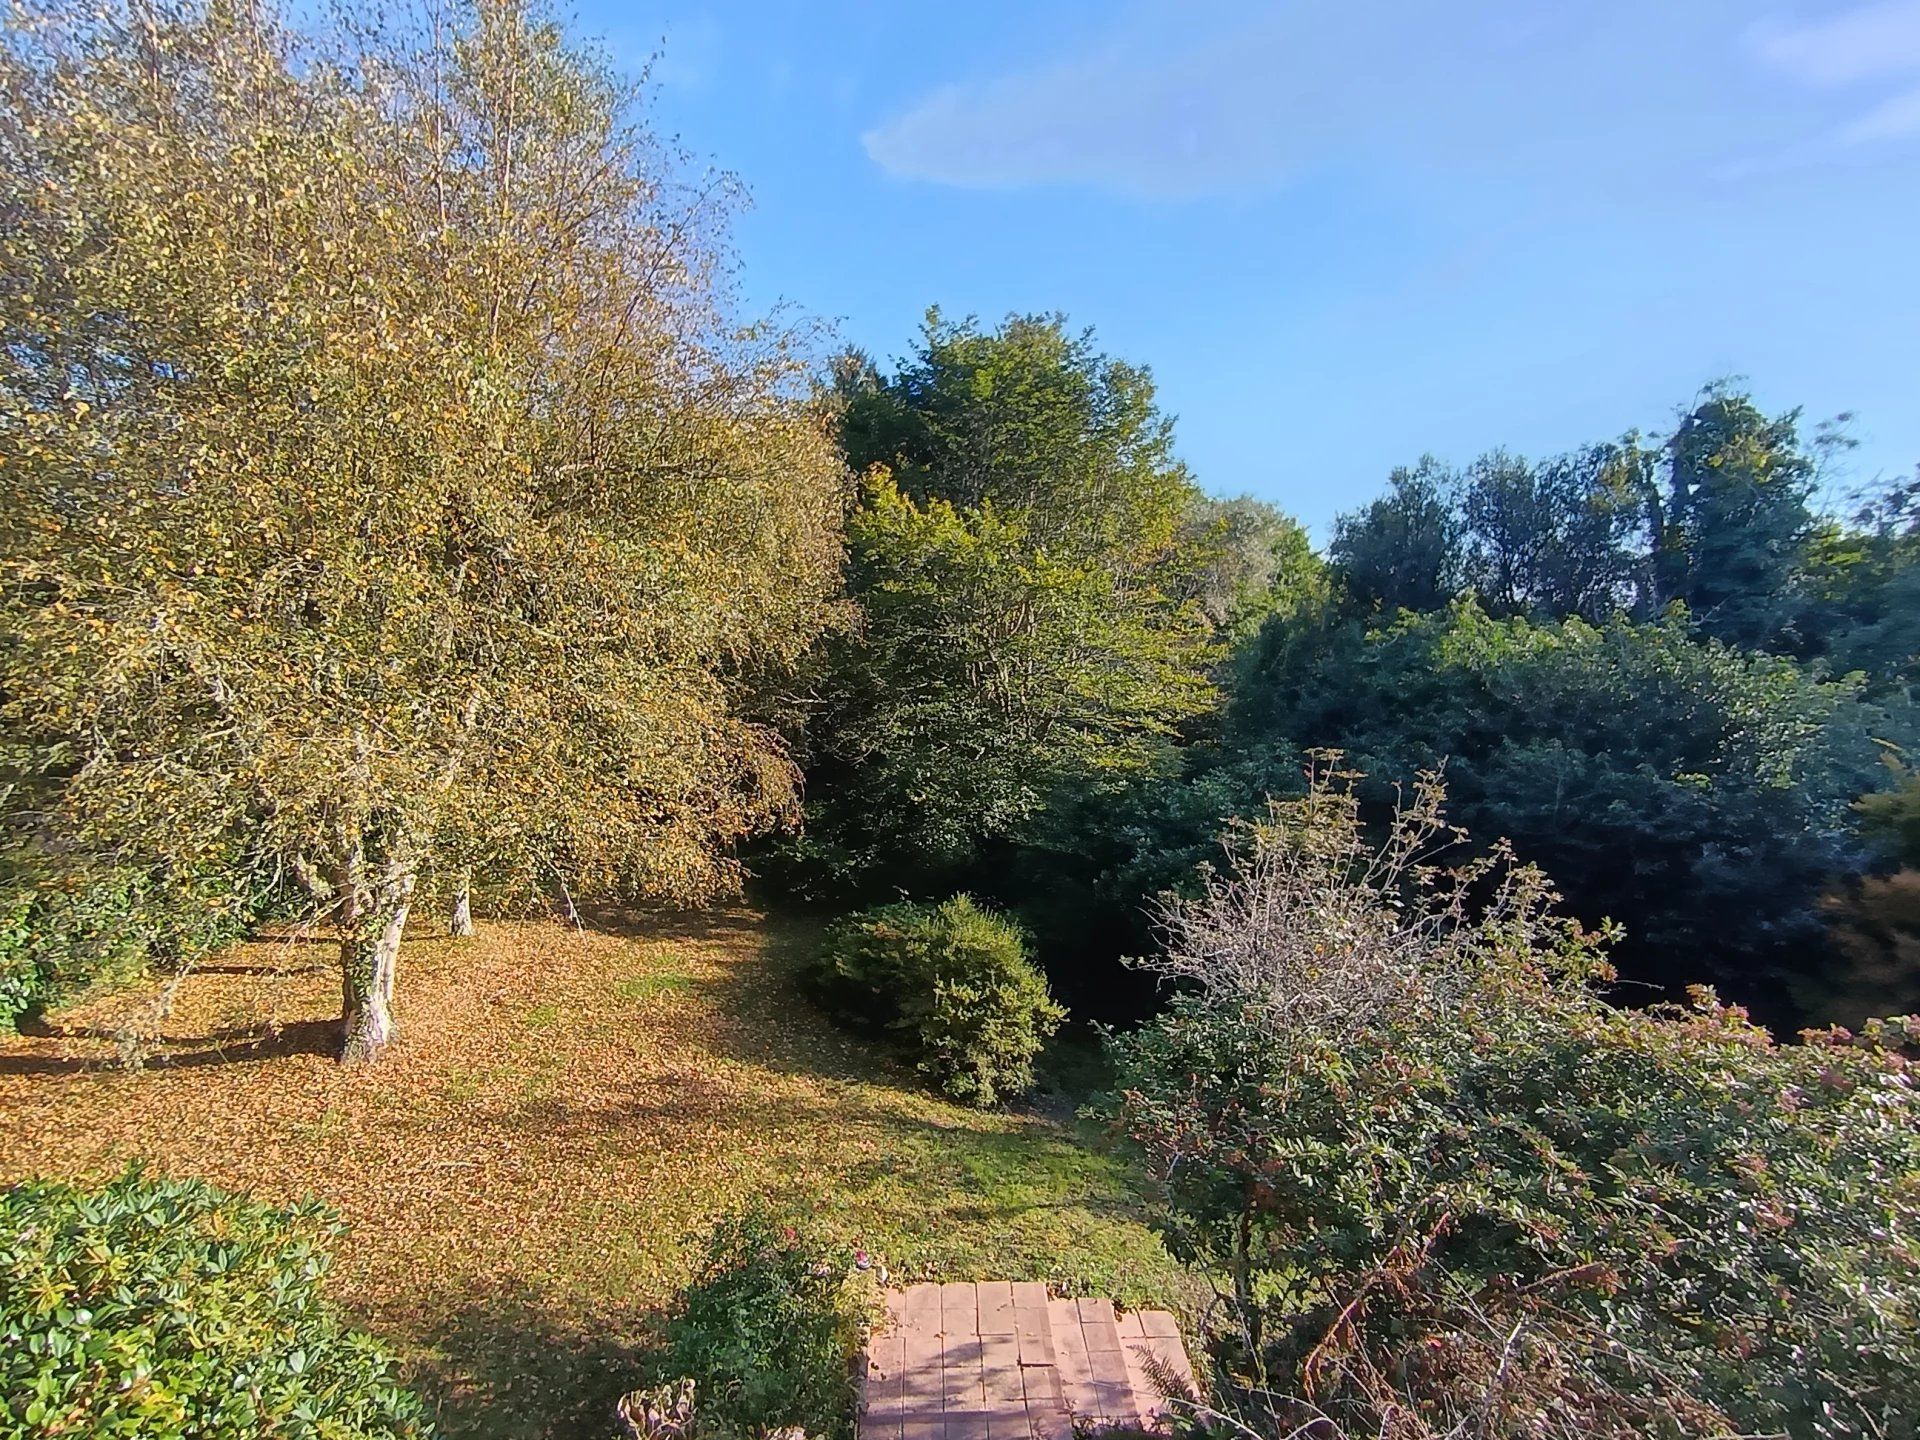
(1001,1360)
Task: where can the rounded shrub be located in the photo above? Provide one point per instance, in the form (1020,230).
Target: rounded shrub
(165,1309)
(768,1331)
(955,980)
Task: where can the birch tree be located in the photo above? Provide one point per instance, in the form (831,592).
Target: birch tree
(386,478)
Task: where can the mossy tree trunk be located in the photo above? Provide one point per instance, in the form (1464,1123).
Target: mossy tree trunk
(369,956)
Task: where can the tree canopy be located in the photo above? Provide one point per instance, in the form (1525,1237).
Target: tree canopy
(387,479)
(1032,568)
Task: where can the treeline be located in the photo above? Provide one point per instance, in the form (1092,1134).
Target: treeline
(400,519)
(1654,664)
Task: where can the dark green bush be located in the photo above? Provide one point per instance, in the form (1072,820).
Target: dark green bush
(768,1332)
(59,935)
(166,1310)
(955,980)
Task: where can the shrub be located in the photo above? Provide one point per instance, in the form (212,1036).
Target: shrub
(56,939)
(1456,1193)
(953,978)
(160,1309)
(768,1331)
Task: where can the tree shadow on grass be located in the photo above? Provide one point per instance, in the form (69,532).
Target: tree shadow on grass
(502,1367)
(229,1045)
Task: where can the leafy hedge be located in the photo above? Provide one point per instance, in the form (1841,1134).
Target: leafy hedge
(953,978)
(57,939)
(166,1310)
(768,1332)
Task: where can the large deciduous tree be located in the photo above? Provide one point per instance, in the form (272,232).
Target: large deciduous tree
(1026,560)
(386,480)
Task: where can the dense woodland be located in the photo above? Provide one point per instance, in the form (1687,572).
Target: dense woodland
(401,524)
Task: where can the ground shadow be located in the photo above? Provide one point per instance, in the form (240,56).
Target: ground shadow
(500,1368)
(232,1045)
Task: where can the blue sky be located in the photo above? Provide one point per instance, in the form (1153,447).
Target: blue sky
(1344,232)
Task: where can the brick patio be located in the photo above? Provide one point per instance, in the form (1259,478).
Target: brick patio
(1004,1361)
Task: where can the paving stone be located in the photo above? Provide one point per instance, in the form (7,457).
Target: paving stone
(1159,1324)
(1000,1361)
(1029,1295)
(920,1309)
(959,1309)
(1034,1332)
(996,1307)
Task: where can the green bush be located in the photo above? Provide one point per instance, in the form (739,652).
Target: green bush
(166,1310)
(1455,1192)
(59,935)
(768,1332)
(955,980)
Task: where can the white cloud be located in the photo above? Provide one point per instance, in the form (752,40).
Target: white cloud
(1133,115)
(1895,118)
(1178,100)
(1871,42)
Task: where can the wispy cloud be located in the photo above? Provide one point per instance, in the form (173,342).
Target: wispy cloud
(1869,44)
(1896,118)
(1136,114)
(1176,100)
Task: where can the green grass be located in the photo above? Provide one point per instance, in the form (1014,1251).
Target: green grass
(564,1115)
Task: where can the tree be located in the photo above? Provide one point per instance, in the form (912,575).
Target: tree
(1035,422)
(1028,572)
(1731,528)
(985,672)
(1253,561)
(1557,539)
(1862,587)
(1697,795)
(1402,551)
(386,477)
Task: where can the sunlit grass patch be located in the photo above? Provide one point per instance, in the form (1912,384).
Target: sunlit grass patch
(562,1114)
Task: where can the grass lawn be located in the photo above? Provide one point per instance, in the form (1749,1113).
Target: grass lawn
(563,1111)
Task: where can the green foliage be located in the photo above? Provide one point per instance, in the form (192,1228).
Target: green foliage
(987,672)
(71,931)
(1557,539)
(955,980)
(1452,1191)
(1029,575)
(1862,591)
(1250,562)
(768,1331)
(1696,795)
(1404,550)
(387,479)
(169,1311)
(1730,530)
(1891,818)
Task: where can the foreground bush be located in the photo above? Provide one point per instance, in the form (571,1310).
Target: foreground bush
(767,1333)
(955,980)
(162,1309)
(1456,1193)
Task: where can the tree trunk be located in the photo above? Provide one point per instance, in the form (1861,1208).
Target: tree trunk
(460,921)
(369,955)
